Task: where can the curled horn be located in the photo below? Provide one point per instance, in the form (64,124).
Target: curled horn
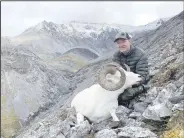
(111,68)
(127,67)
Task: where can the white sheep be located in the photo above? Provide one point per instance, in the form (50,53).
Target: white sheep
(99,102)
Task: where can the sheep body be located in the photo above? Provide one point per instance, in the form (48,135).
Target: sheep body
(96,103)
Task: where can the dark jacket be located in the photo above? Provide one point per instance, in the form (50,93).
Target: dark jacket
(136,59)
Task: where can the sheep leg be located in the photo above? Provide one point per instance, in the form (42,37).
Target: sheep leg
(116,122)
(80,118)
(114,116)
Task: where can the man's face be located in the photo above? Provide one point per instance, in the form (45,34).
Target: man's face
(123,45)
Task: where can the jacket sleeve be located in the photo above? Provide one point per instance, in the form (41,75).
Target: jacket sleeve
(142,68)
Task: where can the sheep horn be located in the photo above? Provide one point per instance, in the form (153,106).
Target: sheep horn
(111,68)
(127,67)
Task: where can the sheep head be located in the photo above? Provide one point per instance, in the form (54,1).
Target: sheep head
(112,76)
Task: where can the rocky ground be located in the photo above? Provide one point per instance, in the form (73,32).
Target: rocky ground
(155,114)
(146,117)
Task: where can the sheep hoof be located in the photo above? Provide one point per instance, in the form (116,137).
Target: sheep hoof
(116,124)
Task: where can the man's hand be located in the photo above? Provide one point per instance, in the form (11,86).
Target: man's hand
(130,93)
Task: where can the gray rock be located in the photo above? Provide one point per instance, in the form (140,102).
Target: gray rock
(136,132)
(43,131)
(106,133)
(176,99)
(122,113)
(171,87)
(161,107)
(153,72)
(135,115)
(64,128)
(60,136)
(101,125)
(116,124)
(168,59)
(179,82)
(180,58)
(180,91)
(162,97)
(133,122)
(122,110)
(151,95)
(54,131)
(80,130)
(179,106)
(158,111)
(140,107)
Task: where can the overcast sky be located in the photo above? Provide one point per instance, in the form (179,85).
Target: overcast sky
(18,16)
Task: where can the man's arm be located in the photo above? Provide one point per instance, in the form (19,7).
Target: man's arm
(142,68)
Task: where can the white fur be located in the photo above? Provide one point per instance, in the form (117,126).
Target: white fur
(97,103)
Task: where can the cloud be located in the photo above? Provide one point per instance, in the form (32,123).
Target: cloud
(18,16)
(142,19)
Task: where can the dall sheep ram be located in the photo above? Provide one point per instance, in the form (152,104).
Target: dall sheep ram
(99,102)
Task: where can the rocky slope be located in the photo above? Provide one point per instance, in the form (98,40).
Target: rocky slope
(146,117)
(29,86)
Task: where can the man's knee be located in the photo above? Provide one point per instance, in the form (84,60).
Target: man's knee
(130,93)
(124,99)
(126,96)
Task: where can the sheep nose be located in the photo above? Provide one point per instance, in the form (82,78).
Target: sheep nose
(139,76)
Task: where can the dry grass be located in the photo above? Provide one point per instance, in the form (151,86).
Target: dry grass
(176,132)
(175,126)
(167,74)
(62,62)
(9,120)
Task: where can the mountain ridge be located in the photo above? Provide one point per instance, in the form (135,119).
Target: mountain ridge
(45,23)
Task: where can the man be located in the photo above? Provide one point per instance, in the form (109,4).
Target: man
(137,60)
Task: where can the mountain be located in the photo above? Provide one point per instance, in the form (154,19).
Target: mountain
(5,41)
(48,38)
(29,86)
(165,50)
(164,42)
(153,25)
